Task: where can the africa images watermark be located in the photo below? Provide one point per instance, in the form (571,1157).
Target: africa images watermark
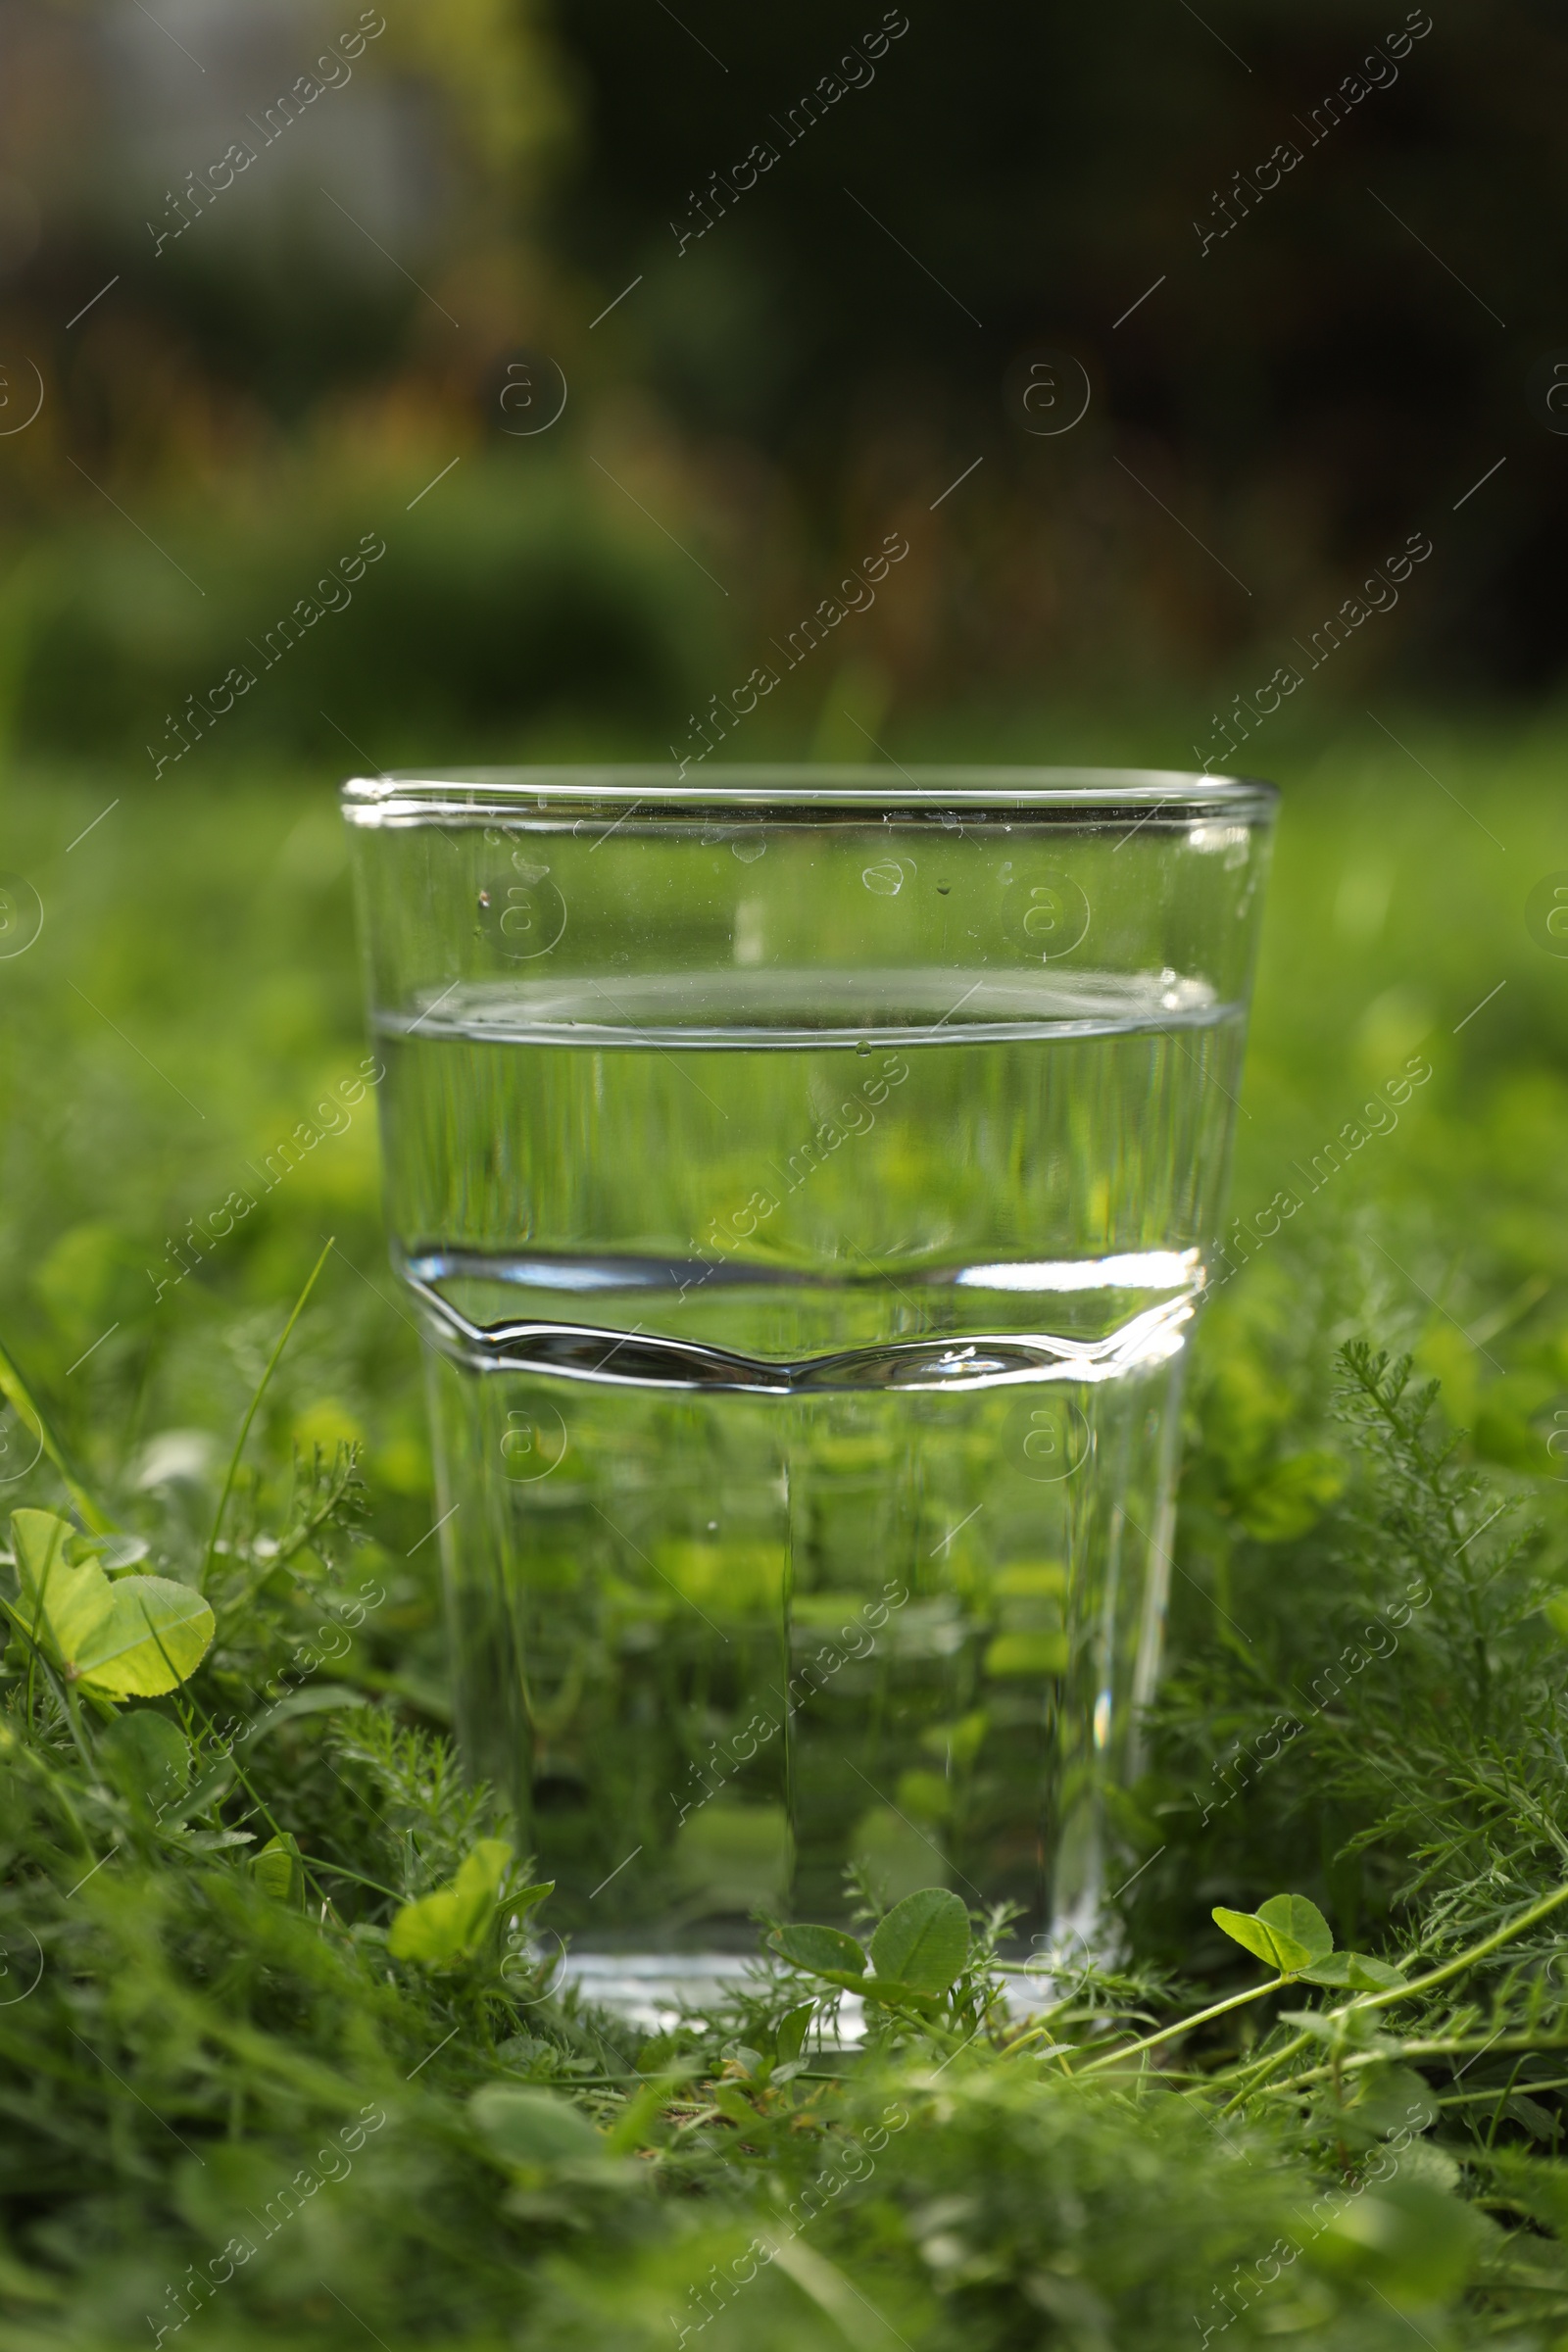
(238,157)
(198,2286)
(1326,1686)
(859,596)
(337,1115)
(335,595)
(1380,1116)
(530,1450)
(859,1114)
(1380,595)
(1380,72)
(721,2288)
(814,1677)
(350,1611)
(1285,2251)
(855,72)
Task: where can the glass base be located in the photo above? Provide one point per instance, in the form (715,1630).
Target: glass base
(655,1991)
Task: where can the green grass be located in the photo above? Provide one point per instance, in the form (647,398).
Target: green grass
(203,2032)
(194,996)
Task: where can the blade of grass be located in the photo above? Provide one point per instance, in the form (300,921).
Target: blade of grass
(189,1697)
(62,1691)
(17,1395)
(245,1425)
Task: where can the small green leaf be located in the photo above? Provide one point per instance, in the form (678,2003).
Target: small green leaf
(147,1756)
(61,1600)
(450,1925)
(1374,1975)
(639,2120)
(791,2035)
(1355,1970)
(1408,2239)
(823,1950)
(1267,1941)
(1334,1970)
(280,1871)
(1392,2098)
(113,1552)
(133,1639)
(1353,2031)
(1293,1916)
(924,1942)
(1248,1932)
(533,2127)
(896,1995)
(154,1637)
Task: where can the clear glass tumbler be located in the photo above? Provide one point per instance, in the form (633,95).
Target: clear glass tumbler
(807,1180)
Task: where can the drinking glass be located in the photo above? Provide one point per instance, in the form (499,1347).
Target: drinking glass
(807,1177)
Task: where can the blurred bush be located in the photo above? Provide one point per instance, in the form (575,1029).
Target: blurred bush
(508,597)
(1288,375)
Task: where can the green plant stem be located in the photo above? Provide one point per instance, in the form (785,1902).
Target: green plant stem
(1451,1969)
(1466,2098)
(1503,2044)
(592,2082)
(17,1393)
(245,1425)
(336,1870)
(23,1753)
(1020,2041)
(196,1707)
(64,1694)
(303,1536)
(1185,2025)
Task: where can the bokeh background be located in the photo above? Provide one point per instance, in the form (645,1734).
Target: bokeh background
(495,381)
(313,250)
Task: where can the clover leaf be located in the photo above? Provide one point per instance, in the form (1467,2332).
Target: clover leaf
(534,2129)
(450,1925)
(278,1870)
(924,1942)
(825,1951)
(1356,1972)
(1287,1933)
(134,1638)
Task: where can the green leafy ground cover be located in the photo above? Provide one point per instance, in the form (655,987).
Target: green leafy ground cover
(280,2053)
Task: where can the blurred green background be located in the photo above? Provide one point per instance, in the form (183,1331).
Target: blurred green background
(624,335)
(191,1005)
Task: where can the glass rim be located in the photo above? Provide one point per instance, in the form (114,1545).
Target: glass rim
(803,790)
